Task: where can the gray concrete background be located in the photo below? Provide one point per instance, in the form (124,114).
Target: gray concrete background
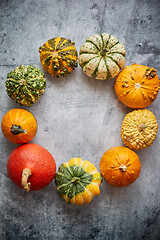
(79,117)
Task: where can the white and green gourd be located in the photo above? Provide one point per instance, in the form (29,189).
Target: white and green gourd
(102,56)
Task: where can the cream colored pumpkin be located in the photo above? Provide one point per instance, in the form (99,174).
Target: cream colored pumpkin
(102,56)
(139,129)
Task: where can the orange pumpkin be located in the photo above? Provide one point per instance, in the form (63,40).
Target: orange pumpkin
(120,166)
(19,126)
(137,86)
(31,167)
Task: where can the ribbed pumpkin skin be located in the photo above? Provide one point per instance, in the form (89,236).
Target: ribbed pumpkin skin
(137,86)
(25,84)
(58,56)
(139,129)
(19,126)
(102,56)
(36,158)
(120,166)
(78,181)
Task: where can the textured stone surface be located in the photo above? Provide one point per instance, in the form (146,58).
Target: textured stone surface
(79,116)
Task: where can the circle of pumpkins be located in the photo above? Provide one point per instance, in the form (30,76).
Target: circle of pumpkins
(77,181)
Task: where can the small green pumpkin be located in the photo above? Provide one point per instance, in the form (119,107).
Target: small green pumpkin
(78,181)
(25,84)
(102,56)
(58,56)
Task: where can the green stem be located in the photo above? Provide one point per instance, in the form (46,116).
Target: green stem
(103,52)
(75,180)
(16,130)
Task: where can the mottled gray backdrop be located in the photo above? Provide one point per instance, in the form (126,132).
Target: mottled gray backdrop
(79,116)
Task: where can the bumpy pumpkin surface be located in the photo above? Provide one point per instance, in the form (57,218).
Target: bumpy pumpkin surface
(25,84)
(137,86)
(139,129)
(102,56)
(120,166)
(19,126)
(78,181)
(58,56)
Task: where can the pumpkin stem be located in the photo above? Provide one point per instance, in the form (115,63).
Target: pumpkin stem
(15,129)
(54,53)
(141,127)
(137,85)
(103,52)
(22,82)
(122,168)
(75,180)
(25,175)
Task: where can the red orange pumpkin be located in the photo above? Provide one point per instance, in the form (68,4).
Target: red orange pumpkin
(31,167)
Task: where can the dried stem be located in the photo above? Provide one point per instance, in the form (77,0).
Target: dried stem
(25,175)
(122,168)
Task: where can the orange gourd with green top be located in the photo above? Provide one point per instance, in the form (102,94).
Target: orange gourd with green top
(58,56)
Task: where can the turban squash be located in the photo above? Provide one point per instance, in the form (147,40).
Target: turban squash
(58,56)
(120,166)
(102,56)
(78,181)
(139,129)
(25,84)
(19,126)
(137,86)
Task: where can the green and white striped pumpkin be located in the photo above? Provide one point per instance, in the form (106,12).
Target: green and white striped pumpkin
(102,56)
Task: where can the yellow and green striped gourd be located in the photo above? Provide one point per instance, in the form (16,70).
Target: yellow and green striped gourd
(78,181)
(58,56)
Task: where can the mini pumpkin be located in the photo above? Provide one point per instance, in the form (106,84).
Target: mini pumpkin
(120,166)
(137,86)
(58,56)
(25,84)
(78,181)
(102,56)
(31,167)
(19,126)
(139,129)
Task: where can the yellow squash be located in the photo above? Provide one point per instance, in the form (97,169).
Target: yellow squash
(139,129)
